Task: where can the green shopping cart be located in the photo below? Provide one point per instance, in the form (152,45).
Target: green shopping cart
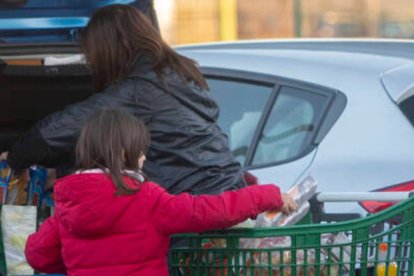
(379,244)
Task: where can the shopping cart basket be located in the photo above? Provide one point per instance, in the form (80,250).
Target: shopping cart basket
(342,248)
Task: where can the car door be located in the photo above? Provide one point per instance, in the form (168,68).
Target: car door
(274,125)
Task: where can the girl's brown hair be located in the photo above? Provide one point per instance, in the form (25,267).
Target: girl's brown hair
(119,35)
(112,140)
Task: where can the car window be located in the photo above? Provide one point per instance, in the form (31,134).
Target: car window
(407,107)
(291,125)
(241,106)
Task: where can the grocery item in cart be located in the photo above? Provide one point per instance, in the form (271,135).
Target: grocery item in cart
(17,190)
(32,186)
(13,187)
(301,193)
(281,255)
(5,174)
(383,268)
(37,180)
(40,191)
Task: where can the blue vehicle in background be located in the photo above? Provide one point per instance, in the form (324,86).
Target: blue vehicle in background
(47,21)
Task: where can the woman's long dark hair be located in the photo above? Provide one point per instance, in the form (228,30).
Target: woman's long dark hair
(112,140)
(119,35)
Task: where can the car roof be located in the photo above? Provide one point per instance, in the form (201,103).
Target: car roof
(333,63)
(403,48)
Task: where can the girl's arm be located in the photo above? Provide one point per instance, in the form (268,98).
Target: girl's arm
(188,213)
(43,248)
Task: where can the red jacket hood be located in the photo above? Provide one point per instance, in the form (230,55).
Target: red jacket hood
(82,203)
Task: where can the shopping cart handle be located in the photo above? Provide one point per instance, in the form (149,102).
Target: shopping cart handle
(364,196)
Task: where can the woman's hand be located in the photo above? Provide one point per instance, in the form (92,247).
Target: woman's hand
(3,156)
(289,204)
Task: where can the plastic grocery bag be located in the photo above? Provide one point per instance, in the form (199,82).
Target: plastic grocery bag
(17,223)
(301,193)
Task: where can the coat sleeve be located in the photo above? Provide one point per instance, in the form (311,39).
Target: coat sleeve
(43,248)
(187,213)
(51,141)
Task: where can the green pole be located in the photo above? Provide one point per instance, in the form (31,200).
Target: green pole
(297,9)
(3,266)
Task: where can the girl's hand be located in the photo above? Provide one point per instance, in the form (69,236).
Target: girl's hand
(289,204)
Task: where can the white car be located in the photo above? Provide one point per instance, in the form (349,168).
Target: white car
(340,110)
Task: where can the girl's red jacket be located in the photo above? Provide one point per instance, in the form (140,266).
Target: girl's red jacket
(96,232)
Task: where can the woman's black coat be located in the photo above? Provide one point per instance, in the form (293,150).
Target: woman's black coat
(188,151)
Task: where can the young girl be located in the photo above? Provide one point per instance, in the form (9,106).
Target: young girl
(110,220)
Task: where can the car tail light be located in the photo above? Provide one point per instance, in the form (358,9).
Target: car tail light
(376,206)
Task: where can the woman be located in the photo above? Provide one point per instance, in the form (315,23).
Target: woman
(138,72)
